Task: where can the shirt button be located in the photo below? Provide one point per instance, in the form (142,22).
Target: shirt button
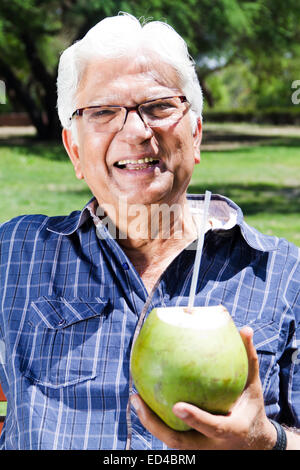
(125,266)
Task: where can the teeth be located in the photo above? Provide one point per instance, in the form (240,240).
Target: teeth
(134,162)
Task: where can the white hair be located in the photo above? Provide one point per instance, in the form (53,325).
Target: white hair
(121,36)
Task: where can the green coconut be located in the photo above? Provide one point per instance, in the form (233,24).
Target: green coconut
(195,355)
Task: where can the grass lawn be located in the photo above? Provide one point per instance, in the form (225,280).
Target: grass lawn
(38,178)
(257,167)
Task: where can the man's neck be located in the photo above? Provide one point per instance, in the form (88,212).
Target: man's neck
(143,227)
(164,236)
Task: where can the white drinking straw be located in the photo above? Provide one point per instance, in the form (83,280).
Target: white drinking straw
(199,249)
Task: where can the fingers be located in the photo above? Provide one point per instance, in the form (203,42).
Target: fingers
(188,440)
(146,415)
(200,421)
(151,421)
(212,426)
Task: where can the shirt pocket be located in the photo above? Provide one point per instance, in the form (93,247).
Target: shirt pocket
(63,340)
(265,340)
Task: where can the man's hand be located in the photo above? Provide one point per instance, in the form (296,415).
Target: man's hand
(245,427)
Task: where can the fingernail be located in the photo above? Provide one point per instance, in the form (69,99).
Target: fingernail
(180,412)
(135,402)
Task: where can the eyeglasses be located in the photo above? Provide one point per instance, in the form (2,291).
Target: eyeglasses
(154,113)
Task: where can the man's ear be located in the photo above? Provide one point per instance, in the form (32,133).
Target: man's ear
(197,140)
(72,150)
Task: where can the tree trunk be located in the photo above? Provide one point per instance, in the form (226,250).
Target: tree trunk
(47,82)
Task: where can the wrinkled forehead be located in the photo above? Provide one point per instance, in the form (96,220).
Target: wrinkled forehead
(101,73)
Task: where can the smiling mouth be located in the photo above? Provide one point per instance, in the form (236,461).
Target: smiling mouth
(140,164)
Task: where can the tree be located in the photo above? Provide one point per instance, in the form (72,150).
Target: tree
(218,33)
(32,35)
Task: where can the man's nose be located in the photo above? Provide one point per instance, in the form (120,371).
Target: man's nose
(135,128)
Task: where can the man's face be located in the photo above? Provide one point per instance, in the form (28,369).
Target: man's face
(96,155)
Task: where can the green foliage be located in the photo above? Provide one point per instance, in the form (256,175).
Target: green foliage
(271,115)
(259,38)
(263,83)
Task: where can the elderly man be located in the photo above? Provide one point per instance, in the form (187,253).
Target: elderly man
(73,288)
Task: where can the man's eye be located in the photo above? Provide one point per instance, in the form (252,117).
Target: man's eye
(160,107)
(164,105)
(103,113)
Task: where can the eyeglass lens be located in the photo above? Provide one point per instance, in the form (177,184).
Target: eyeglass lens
(156,113)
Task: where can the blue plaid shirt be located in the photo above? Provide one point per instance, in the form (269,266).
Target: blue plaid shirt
(70,304)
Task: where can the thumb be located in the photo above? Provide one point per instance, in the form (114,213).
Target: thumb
(253,365)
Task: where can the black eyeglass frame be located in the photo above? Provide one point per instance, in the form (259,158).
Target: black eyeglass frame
(80,111)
